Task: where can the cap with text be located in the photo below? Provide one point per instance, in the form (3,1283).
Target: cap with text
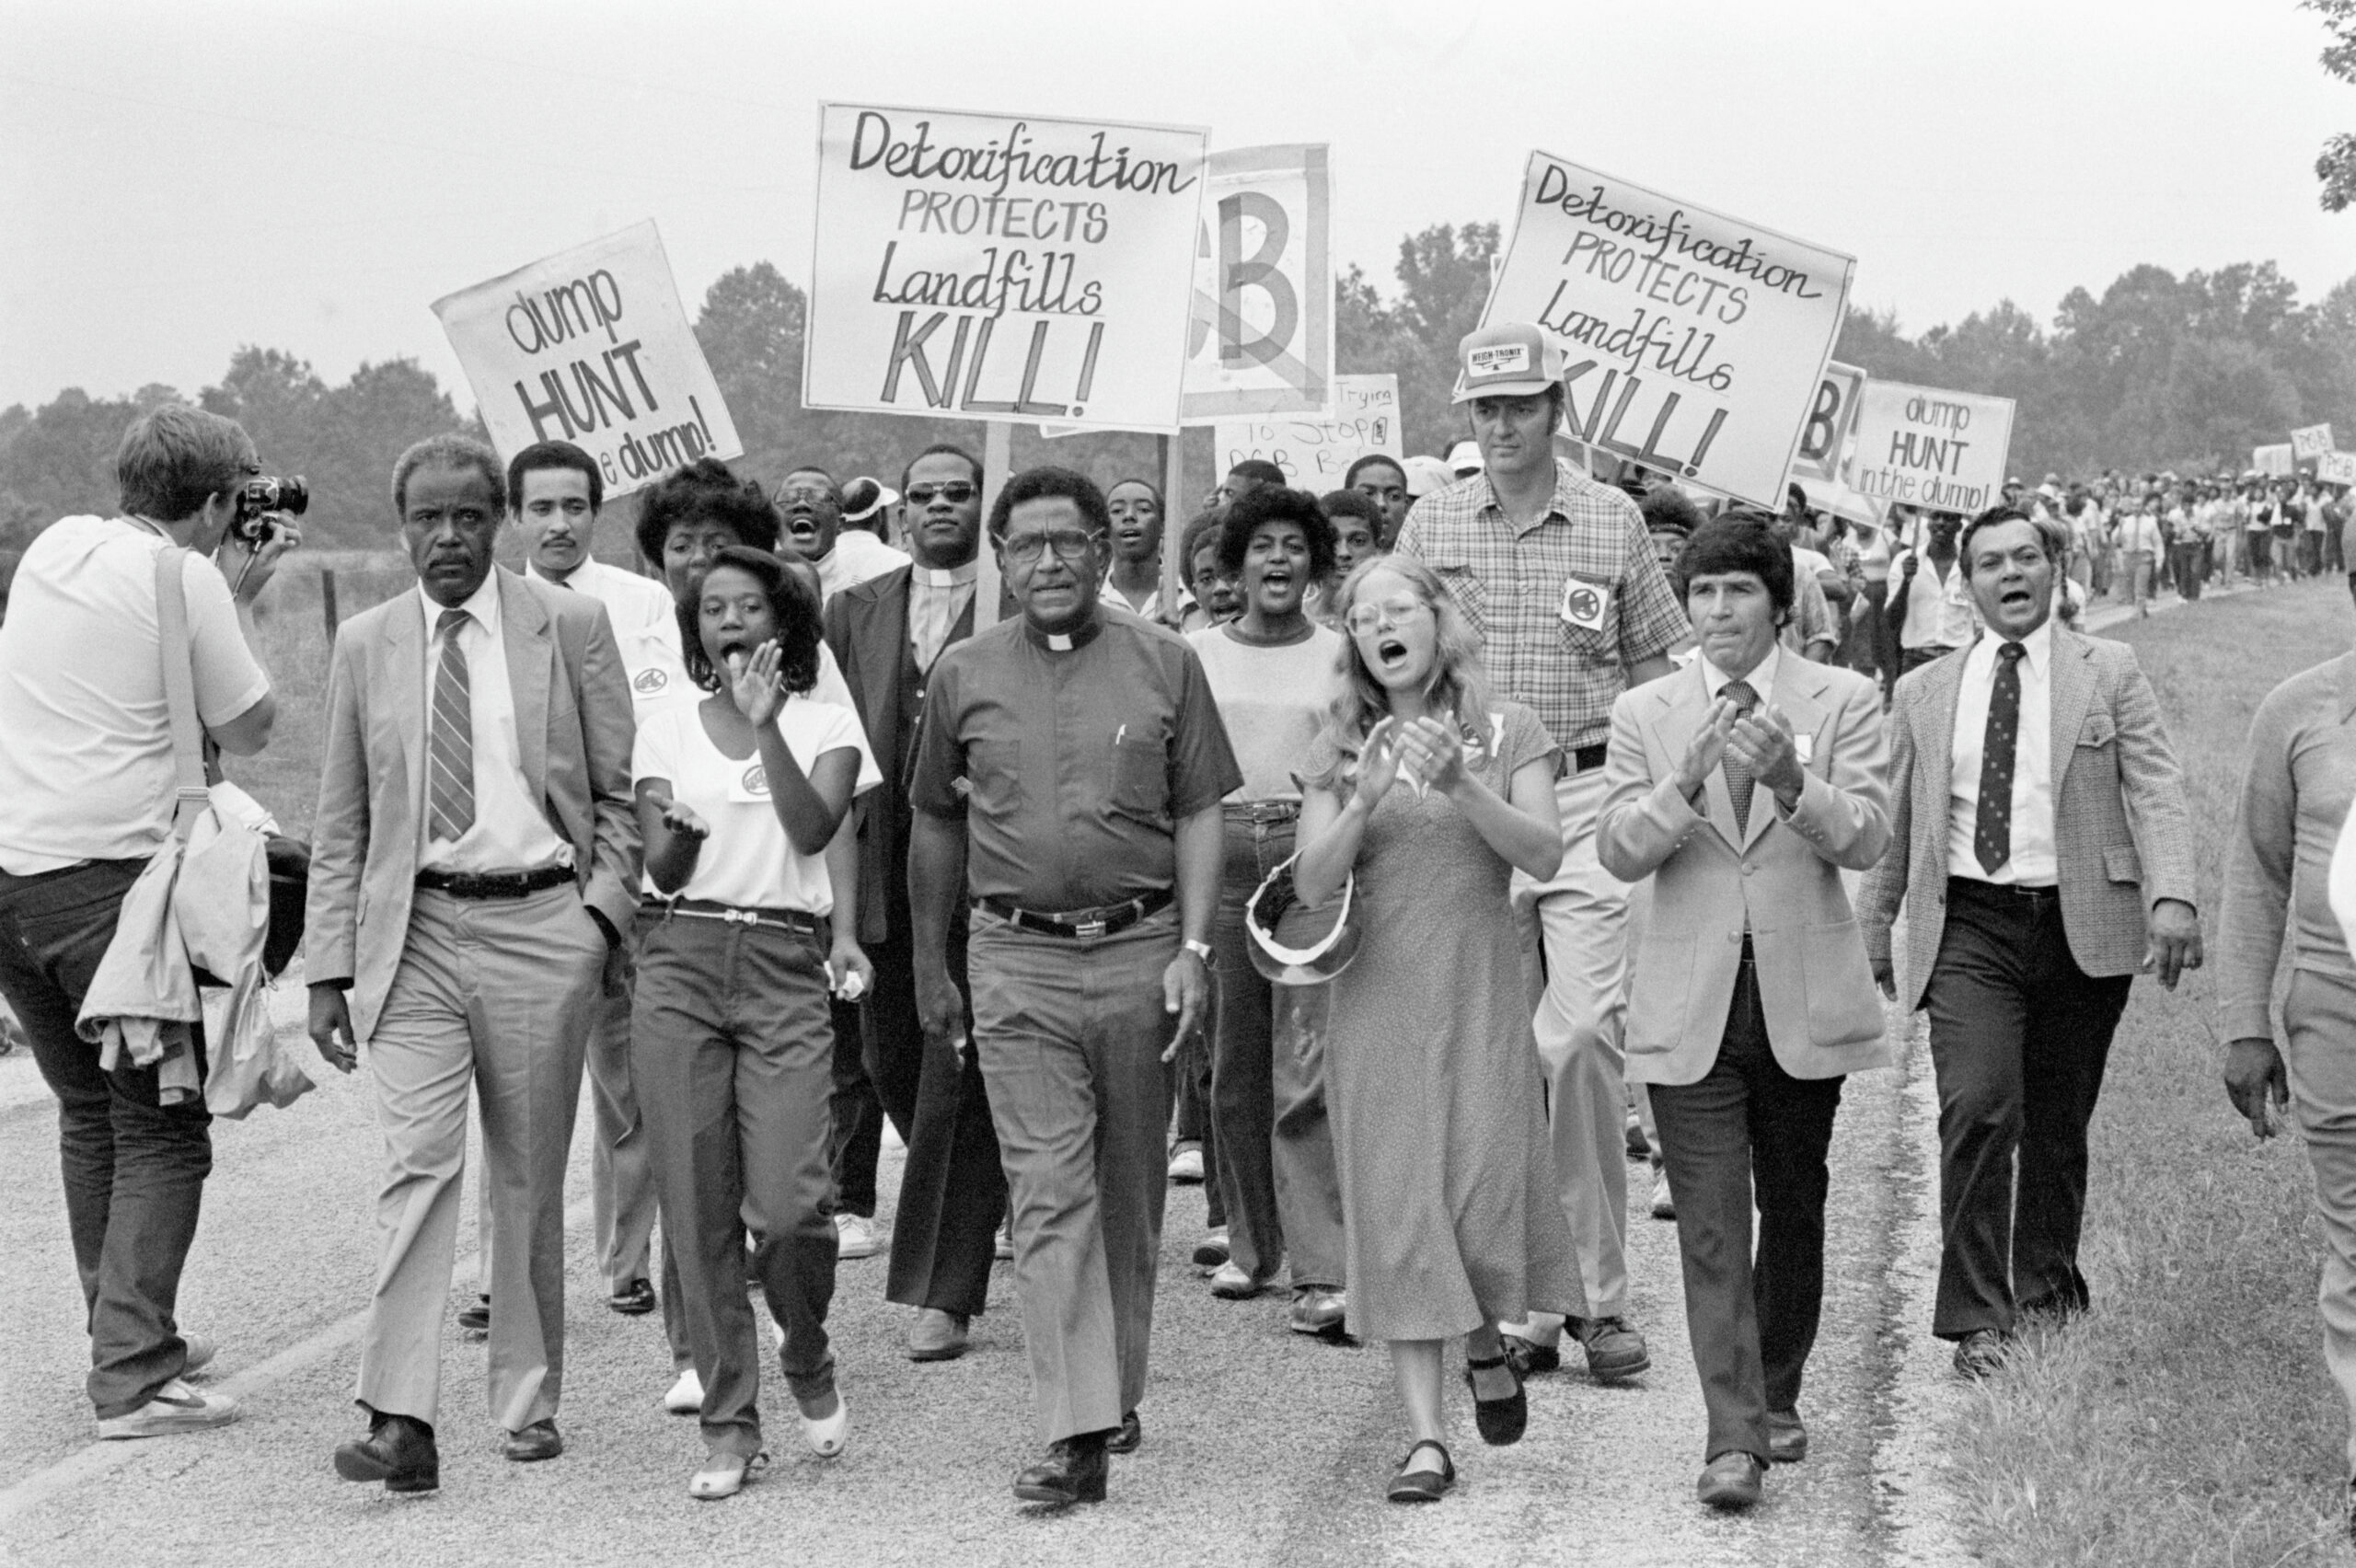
(1511,359)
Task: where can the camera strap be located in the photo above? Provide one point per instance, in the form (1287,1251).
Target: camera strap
(190,796)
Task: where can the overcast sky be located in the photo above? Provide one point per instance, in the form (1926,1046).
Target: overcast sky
(177,179)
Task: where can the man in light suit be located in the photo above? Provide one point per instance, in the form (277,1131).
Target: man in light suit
(1743,785)
(474,862)
(2044,855)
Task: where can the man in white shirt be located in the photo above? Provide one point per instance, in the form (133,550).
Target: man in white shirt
(87,782)
(556,493)
(810,505)
(474,862)
(1930,598)
(2042,851)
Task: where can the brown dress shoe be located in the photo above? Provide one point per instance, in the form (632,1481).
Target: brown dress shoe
(398,1451)
(538,1441)
(1731,1480)
(937,1335)
(1786,1437)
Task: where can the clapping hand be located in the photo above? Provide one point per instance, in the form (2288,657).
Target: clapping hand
(1761,741)
(1707,749)
(755,684)
(1434,752)
(1378,763)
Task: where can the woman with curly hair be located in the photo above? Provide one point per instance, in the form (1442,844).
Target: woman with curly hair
(739,797)
(1431,794)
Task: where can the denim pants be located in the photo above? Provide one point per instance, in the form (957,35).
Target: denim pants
(1275,1143)
(135,1169)
(732,1049)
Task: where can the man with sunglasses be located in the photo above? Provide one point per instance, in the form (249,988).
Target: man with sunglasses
(1067,782)
(887,633)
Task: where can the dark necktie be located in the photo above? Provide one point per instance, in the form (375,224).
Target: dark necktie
(1992,841)
(450,749)
(1740,780)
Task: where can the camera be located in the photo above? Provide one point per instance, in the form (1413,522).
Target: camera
(256,497)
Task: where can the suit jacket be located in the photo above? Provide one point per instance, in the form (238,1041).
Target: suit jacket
(573,727)
(1781,877)
(2121,836)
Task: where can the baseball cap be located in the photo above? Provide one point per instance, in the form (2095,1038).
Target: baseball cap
(1427,476)
(1464,460)
(1512,359)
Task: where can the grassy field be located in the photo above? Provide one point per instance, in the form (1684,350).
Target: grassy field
(2188,1420)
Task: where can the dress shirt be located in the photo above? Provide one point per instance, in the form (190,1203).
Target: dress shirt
(856,556)
(1761,677)
(2033,862)
(1147,608)
(646,628)
(511,831)
(937,596)
(1939,614)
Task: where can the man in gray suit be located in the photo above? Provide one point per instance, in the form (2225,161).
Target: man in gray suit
(2043,853)
(474,860)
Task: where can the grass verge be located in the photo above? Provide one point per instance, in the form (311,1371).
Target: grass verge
(2189,1419)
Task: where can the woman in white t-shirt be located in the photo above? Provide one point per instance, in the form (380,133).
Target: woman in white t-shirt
(739,797)
(1272,672)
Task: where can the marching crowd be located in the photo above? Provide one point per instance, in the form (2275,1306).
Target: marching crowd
(1446,826)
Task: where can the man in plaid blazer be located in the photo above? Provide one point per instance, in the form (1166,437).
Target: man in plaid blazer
(2042,851)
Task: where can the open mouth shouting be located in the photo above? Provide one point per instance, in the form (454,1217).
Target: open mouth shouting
(1391,654)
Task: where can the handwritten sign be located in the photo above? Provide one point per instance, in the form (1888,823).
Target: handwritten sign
(2313,441)
(590,346)
(2336,467)
(1000,267)
(1261,340)
(2279,461)
(1316,452)
(1943,451)
(1694,342)
(1824,439)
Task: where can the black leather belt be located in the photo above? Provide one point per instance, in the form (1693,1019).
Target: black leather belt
(1081,925)
(1585,759)
(800,920)
(1974,887)
(496,884)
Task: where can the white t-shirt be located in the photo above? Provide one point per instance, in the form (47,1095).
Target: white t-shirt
(86,738)
(748,863)
(1273,700)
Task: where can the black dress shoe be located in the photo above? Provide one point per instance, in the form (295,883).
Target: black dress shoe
(538,1441)
(1423,1485)
(1979,1353)
(475,1317)
(1528,1356)
(633,1300)
(398,1451)
(1500,1421)
(1731,1480)
(1128,1438)
(1786,1437)
(1073,1471)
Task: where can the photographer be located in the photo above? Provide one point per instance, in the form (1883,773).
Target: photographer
(87,790)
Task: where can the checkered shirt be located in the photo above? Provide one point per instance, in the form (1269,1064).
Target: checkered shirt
(1513,583)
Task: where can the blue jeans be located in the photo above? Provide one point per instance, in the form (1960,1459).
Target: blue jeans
(134,1168)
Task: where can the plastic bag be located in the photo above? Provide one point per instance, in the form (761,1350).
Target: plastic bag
(249,1065)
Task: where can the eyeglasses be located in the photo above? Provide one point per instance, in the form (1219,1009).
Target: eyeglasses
(1364,618)
(1070,545)
(814,494)
(957,492)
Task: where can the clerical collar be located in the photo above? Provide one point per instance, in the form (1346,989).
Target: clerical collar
(951,577)
(1064,642)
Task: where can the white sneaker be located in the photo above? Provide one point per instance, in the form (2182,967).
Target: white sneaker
(176,1407)
(1002,1244)
(201,1352)
(1186,1165)
(1663,1204)
(856,1236)
(686,1397)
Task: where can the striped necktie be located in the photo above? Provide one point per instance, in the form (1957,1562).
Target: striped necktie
(1740,779)
(450,747)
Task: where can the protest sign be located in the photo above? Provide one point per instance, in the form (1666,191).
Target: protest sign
(2276,462)
(1824,439)
(1316,452)
(1001,267)
(2313,441)
(2336,467)
(1693,341)
(1261,340)
(1943,451)
(590,346)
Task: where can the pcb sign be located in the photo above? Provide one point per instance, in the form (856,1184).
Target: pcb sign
(1693,341)
(1941,451)
(1262,337)
(591,347)
(2313,441)
(1824,439)
(1316,450)
(997,267)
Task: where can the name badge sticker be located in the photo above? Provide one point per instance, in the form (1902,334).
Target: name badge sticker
(1804,747)
(751,787)
(651,682)
(1585,605)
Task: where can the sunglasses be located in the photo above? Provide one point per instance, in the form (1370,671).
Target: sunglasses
(957,492)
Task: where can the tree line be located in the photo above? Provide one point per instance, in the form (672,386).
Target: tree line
(2159,372)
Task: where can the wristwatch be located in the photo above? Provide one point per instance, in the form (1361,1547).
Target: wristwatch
(1200,950)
